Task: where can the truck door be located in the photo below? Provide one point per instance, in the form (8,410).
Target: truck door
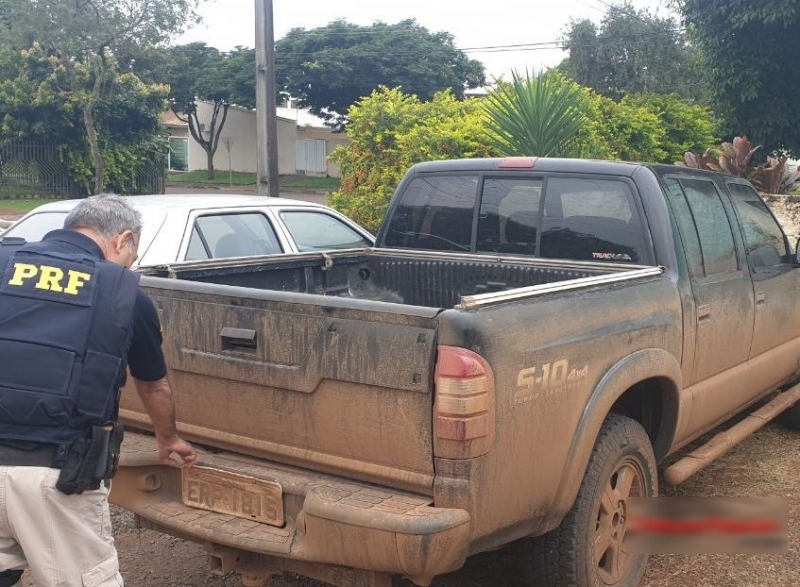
(776,285)
(723,302)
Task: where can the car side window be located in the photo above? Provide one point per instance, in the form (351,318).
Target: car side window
(435,213)
(763,237)
(317,231)
(217,236)
(686,227)
(713,227)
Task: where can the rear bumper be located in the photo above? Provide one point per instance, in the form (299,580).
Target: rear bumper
(327,519)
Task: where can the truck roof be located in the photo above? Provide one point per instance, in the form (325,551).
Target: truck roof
(548,164)
(529,164)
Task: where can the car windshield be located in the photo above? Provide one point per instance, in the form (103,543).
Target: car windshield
(35,226)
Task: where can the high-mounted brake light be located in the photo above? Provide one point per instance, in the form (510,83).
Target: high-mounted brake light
(518,163)
(464,404)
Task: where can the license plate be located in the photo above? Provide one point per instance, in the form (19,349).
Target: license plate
(232,494)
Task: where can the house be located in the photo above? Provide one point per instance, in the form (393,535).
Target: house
(304,143)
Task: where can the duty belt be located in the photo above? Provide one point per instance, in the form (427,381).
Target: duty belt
(38,457)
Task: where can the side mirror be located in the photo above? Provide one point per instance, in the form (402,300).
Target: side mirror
(797,251)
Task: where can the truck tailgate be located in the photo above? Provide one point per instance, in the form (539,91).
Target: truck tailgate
(340,385)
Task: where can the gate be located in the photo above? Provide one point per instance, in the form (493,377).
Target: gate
(36,169)
(31,169)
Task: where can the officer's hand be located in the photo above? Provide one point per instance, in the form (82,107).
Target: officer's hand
(178,446)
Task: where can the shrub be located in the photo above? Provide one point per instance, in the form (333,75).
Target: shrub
(735,158)
(390,131)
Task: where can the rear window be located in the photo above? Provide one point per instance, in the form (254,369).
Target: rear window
(591,220)
(435,213)
(581,218)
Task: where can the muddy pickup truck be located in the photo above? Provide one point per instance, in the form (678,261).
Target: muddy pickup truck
(527,345)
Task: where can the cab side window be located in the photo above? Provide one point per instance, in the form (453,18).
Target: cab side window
(763,237)
(713,228)
(686,227)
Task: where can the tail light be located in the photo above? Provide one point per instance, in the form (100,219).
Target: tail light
(463,405)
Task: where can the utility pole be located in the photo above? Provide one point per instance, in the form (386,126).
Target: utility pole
(266,117)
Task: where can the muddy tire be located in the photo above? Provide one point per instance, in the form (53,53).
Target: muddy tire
(586,550)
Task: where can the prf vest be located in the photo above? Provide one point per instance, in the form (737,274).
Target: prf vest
(66,322)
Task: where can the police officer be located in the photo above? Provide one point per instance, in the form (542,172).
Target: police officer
(72,318)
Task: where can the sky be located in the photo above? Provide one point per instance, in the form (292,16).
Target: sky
(505,35)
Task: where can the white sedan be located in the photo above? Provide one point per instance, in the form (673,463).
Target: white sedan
(197,226)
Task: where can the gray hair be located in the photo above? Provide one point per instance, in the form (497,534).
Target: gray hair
(106,214)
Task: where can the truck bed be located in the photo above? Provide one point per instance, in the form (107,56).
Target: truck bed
(431,280)
(327,361)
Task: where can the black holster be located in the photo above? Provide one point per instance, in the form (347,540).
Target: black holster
(9,578)
(87,462)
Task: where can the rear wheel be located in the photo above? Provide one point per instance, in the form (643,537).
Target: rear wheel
(587,550)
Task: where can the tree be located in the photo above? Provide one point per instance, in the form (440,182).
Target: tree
(329,68)
(389,131)
(685,126)
(83,38)
(198,72)
(34,107)
(748,48)
(632,52)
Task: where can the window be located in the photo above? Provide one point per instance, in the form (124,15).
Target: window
(232,235)
(435,213)
(713,228)
(592,219)
(686,227)
(509,216)
(178,153)
(317,231)
(763,238)
(35,226)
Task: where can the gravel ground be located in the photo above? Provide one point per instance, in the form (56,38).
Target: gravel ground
(767,464)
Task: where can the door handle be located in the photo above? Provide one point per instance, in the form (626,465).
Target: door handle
(761,299)
(238,338)
(704,313)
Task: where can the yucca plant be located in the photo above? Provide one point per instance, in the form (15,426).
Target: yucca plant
(538,116)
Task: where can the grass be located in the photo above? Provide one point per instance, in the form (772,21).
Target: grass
(241,178)
(220,177)
(24,205)
(308,182)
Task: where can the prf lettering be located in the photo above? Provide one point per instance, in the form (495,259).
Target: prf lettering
(49,278)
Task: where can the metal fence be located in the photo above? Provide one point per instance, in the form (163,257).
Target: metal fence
(36,169)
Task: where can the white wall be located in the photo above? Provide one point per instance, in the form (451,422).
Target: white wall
(240,127)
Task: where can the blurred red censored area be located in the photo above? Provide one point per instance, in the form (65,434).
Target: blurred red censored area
(706,525)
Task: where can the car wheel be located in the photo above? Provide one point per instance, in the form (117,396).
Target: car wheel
(587,550)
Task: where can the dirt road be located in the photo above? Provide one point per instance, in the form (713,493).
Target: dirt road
(767,464)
